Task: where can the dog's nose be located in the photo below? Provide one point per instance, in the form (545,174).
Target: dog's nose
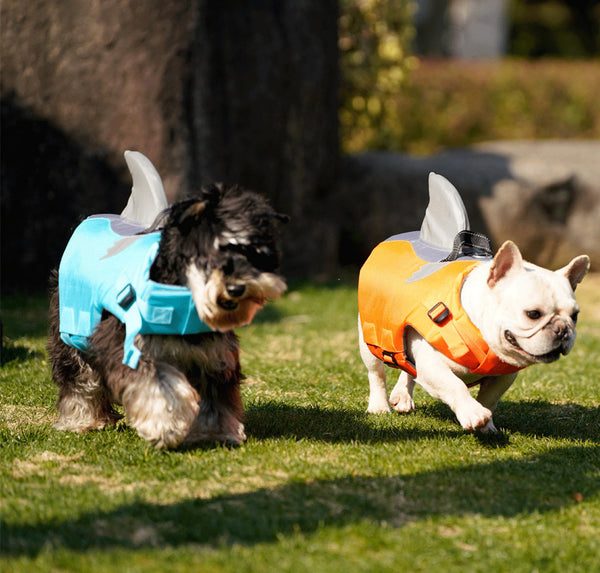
(236,291)
(561,331)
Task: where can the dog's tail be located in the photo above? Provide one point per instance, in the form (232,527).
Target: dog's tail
(446,215)
(148,197)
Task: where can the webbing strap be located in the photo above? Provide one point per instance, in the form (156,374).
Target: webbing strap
(469,244)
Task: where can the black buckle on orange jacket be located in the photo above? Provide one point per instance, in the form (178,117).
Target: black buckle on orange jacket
(438,312)
(392,357)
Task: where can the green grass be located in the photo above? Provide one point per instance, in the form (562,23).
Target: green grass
(319,485)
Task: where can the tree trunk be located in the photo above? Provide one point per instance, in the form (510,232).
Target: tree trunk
(234,91)
(263,112)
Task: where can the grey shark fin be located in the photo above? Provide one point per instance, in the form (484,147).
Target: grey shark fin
(446,214)
(148,196)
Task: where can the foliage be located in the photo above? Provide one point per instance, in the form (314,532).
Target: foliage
(374,40)
(319,485)
(559,28)
(392,100)
(450,103)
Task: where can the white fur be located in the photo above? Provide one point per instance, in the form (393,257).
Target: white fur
(207,291)
(496,297)
(204,295)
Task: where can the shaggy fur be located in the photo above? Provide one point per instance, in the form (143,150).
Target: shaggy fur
(222,246)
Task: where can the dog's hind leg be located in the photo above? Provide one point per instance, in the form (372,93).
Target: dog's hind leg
(83,400)
(378,399)
(83,403)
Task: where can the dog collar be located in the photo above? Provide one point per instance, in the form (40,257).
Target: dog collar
(106,268)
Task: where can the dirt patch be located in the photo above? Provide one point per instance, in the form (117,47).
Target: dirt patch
(44,464)
(15,416)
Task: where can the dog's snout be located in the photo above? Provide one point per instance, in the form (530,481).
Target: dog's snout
(236,291)
(561,330)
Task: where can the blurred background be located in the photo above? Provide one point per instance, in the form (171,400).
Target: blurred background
(335,110)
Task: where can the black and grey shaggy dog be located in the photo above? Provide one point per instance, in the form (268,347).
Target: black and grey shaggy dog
(222,246)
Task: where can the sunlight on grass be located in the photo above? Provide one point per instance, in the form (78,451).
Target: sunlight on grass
(319,485)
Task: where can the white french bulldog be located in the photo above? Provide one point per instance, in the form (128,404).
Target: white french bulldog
(526,314)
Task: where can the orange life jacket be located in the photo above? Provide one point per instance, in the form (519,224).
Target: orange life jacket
(398,290)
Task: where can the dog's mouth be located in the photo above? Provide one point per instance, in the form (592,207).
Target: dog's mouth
(551,356)
(232,304)
(227,303)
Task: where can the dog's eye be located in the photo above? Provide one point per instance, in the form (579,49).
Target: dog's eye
(533,314)
(574,317)
(265,258)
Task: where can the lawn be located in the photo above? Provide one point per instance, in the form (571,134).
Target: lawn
(319,485)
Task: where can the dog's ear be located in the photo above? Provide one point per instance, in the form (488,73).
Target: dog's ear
(212,193)
(576,270)
(508,260)
(192,212)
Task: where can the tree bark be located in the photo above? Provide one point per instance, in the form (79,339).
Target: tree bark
(263,112)
(235,91)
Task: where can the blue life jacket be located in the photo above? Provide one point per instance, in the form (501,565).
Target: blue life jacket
(106,267)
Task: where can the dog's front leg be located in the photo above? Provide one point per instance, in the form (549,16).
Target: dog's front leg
(159,402)
(434,374)
(220,415)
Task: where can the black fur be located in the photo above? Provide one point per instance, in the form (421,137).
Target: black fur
(186,388)
(192,224)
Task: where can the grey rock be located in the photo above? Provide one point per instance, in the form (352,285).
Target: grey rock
(544,195)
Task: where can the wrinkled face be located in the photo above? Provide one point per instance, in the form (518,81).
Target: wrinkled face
(538,313)
(229,257)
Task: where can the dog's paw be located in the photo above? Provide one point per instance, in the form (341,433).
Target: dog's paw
(489,428)
(474,416)
(78,413)
(379,407)
(216,425)
(166,430)
(402,402)
(236,434)
(66,425)
(162,408)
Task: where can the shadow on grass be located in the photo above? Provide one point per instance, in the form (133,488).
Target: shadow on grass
(506,488)
(12,352)
(536,418)
(541,418)
(279,420)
